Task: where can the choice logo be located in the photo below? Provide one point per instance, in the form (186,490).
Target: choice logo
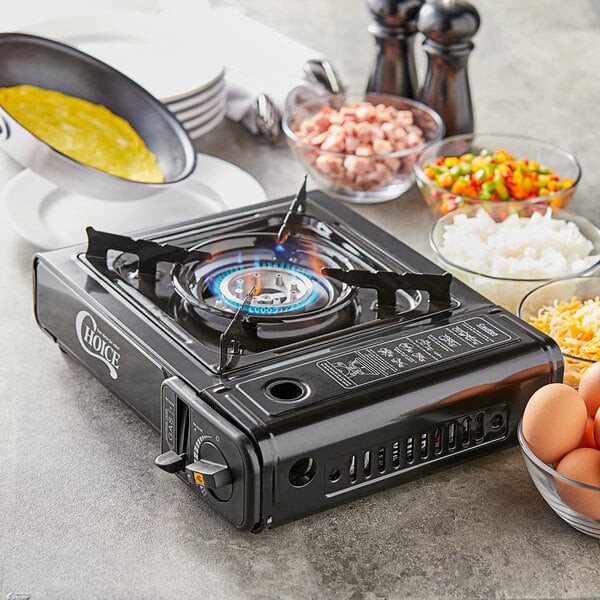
(96,343)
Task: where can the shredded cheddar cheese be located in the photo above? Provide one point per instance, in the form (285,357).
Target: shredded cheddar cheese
(575,326)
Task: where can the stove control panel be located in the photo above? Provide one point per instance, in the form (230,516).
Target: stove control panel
(209,453)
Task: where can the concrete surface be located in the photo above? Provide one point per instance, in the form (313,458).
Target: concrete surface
(84,513)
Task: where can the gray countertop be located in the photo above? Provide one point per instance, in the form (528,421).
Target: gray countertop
(84,513)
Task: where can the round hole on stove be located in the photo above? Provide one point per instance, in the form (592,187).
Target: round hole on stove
(497,421)
(286,390)
(303,471)
(334,475)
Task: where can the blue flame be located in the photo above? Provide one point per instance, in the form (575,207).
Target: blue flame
(214,285)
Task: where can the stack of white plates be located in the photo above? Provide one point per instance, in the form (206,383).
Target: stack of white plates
(200,110)
(177,61)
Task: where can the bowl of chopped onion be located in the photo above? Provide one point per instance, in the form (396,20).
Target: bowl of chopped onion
(505,250)
(568,310)
(472,168)
(361,148)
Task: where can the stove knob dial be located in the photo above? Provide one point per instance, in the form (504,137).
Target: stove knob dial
(212,476)
(211,470)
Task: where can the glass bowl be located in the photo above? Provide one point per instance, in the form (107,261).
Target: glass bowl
(536,308)
(548,156)
(555,487)
(351,165)
(480,263)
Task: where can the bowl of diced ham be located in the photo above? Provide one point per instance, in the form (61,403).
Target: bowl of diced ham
(361,149)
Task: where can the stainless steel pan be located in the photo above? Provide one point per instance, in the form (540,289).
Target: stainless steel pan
(52,65)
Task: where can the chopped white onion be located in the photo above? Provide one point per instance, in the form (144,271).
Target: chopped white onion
(519,250)
(536,247)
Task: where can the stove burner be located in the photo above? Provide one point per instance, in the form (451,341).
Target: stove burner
(273,289)
(279,280)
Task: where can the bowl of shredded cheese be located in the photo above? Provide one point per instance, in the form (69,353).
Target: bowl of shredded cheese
(504,250)
(568,310)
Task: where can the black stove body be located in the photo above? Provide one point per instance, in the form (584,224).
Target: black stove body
(293,357)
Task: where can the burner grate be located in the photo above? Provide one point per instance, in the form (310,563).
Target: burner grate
(285,280)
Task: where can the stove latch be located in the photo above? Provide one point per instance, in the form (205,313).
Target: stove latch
(170,461)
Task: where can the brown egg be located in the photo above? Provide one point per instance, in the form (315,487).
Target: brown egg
(583,466)
(589,436)
(554,421)
(597,429)
(589,388)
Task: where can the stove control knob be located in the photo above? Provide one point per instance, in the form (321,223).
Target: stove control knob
(212,476)
(211,469)
(170,461)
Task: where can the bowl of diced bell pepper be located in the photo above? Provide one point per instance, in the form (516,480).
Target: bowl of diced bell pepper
(468,169)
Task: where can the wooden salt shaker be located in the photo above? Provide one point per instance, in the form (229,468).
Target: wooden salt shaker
(394,29)
(448,26)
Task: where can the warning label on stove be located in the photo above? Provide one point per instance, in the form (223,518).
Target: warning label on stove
(414,351)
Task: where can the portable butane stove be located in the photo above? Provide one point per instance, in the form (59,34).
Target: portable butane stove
(292,355)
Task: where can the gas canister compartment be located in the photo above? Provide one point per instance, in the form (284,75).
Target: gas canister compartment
(414,450)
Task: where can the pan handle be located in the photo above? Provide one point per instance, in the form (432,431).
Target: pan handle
(4,131)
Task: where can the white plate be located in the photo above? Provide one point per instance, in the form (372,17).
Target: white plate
(208,109)
(193,96)
(202,118)
(203,129)
(197,99)
(50,217)
(164,55)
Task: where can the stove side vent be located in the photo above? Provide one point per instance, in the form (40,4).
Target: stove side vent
(414,449)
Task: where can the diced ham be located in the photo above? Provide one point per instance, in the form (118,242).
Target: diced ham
(374,178)
(318,139)
(364,150)
(351,144)
(349,128)
(405,117)
(357,165)
(362,131)
(365,111)
(382,146)
(413,139)
(393,164)
(334,142)
(330,165)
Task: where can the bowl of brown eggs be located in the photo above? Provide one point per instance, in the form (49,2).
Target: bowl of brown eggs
(559,436)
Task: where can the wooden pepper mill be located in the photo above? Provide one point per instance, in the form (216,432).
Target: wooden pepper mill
(394,28)
(448,26)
